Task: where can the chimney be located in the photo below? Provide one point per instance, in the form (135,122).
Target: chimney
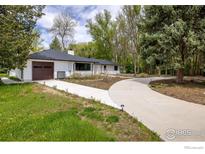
(71,52)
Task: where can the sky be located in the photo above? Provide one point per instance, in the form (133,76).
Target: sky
(80,14)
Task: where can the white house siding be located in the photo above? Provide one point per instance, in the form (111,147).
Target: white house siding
(97,69)
(110,69)
(63,66)
(84,73)
(27,72)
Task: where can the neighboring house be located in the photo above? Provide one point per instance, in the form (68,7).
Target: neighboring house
(52,64)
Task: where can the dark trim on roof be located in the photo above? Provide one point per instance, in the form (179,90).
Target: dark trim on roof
(64,56)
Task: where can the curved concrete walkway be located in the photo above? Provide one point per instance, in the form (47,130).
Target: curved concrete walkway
(171,118)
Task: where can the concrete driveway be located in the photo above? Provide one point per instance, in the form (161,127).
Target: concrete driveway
(80,90)
(172,119)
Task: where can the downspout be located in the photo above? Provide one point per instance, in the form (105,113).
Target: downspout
(73,68)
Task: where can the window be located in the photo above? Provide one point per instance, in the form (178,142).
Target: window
(82,67)
(105,67)
(115,68)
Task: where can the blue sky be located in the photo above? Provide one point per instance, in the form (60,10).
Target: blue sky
(79,13)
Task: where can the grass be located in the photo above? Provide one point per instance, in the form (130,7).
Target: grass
(3,75)
(31,112)
(101,82)
(190,90)
(10,77)
(14,78)
(1,83)
(112,118)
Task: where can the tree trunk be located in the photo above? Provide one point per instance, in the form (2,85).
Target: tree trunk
(158,71)
(135,67)
(180,75)
(166,70)
(63,43)
(138,64)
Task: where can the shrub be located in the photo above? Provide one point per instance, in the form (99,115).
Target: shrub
(3,70)
(112,119)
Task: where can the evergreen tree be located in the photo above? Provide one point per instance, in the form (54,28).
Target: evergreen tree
(55,44)
(173,34)
(16,33)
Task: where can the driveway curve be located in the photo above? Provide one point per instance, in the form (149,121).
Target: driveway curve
(171,118)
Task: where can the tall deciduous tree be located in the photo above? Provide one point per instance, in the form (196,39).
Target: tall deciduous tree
(84,49)
(63,28)
(55,44)
(174,31)
(16,33)
(132,18)
(126,37)
(121,37)
(102,31)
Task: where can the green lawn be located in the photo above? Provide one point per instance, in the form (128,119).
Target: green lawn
(31,112)
(3,75)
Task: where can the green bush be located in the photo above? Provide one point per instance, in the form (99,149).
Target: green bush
(129,68)
(3,70)
(112,119)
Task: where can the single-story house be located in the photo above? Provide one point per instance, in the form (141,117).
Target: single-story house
(52,64)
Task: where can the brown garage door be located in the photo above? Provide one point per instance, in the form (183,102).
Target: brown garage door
(42,70)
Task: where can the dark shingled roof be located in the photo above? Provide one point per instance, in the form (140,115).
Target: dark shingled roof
(63,56)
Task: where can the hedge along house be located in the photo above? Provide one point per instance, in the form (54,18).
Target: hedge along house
(52,64)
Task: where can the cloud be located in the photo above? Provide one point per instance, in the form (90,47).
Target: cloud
(46,38)
(79,13)
(46,20)
(81,34)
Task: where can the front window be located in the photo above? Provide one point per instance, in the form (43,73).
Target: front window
(82,67)
(105,67)
(116,68)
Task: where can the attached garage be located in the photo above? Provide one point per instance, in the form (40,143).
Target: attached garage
(42,70)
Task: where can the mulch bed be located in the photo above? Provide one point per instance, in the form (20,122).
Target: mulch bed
(192,90)
(103,83)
